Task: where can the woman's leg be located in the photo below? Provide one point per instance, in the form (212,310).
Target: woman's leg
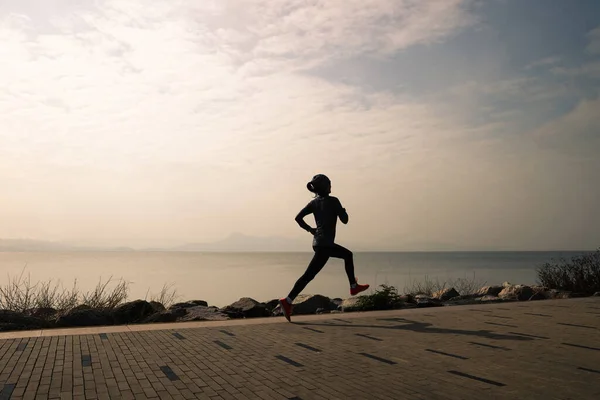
(338,251)
(314,267)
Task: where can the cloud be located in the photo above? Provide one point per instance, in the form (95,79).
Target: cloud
(544,62)
(594,41)
(123,101)
(191,119)
(587,70)
(576,132)
(318,31)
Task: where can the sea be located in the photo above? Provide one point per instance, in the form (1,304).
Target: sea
(222,278)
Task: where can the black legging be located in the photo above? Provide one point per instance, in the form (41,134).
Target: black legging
(317,263)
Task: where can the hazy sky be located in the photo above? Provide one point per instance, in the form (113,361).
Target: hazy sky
(129,122)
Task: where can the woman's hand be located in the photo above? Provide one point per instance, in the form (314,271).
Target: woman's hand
(313,231)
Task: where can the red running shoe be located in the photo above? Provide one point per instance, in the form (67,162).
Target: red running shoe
(357,289)
(286,308)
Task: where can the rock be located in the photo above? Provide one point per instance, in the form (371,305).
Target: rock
(132,312)
(557,294)
(446,294)
(42,312)
(407,298)
(308,304)
(188,304)
(202,313)
(422,297)
(490,290)
(462,300)
(246,308)
(272,305)
(490,299)
(539,289)
(157,307)
(597,294)
(520,292)
(335,303)
(166,316)
(85,317)
(323,311)
(427,301)
(350,304)
(538,296)
(506,284)
(563,295)
(11,320)
(81,307)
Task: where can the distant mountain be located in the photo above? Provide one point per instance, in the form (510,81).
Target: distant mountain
(32,245)
(238,242)
(19,245)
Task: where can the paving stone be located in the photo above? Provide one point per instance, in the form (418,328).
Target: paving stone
(518,350)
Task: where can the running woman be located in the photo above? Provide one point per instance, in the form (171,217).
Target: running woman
(327,209)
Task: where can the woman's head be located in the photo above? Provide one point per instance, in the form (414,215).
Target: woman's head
(320,185)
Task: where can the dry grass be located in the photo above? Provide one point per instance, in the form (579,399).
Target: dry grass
(102,297)
(464,286)
(21,295)
(167,296)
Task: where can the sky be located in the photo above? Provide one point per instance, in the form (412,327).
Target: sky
(469,123)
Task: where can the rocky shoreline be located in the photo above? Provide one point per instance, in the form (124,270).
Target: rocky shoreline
(144,312)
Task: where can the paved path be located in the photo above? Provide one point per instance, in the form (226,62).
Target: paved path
(533,350)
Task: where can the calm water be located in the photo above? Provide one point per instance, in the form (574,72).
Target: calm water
(221,278)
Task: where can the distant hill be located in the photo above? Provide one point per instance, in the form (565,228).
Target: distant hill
(238,242)
(19,245)
(32,245)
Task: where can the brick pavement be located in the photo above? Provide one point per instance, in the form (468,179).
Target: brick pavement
(533,350)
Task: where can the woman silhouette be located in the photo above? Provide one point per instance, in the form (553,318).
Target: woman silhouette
(327,209)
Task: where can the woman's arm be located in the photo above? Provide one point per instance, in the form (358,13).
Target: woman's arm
(300,218)
(342,213)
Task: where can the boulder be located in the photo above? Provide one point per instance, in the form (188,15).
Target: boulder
(538,296)
(562,295)
(188,304)
(351,304)
(81,307)
(157,307)
(446,294)
(323,311)
(85,317)
(166,316)
(42,312)
(462,300)
(519,292)
(308,304)
(490,299)
(246,308)
(132,312)
(597,294)
(271,305)
(427,301)
(490,290)
(11,320)
(539,289)
(202,313)
(408,299)
(335,304)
